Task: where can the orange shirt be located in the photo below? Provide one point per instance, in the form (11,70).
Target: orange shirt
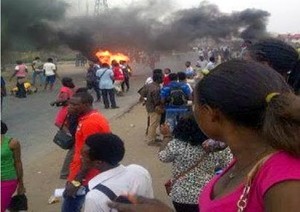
(91,123)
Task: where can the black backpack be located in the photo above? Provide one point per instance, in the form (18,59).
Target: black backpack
(177,96)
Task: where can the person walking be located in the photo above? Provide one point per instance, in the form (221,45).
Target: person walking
(153,106)
(37,68)
(92,81)
(90,122)
(20,73)
(193,166)
(50,72)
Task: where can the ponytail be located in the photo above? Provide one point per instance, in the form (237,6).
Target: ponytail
(281,124)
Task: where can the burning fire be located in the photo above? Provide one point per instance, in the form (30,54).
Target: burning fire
(107,57)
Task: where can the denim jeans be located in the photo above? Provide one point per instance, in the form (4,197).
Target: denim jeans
(71,204)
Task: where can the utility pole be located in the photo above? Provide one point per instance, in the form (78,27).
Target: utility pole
(100,5)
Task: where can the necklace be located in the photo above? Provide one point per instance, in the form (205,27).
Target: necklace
(234,174)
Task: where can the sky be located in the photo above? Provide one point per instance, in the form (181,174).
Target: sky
(285,15)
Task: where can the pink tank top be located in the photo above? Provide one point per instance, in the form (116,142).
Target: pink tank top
(280,167)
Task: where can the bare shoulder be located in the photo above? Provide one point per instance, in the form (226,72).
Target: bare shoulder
(283,196)
(14,144)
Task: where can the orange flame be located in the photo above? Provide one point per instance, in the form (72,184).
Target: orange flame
(107,57)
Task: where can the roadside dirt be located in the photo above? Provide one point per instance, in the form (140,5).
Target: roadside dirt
(44,173)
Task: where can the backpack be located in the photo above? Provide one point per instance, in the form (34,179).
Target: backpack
(177,96)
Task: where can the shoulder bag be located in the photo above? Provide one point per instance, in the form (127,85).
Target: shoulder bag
(63,139)
(169,184)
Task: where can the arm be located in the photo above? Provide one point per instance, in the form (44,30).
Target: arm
(16,148)
(167,136)
(283,197)
(13,75)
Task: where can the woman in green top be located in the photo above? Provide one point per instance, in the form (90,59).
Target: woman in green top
(11,168)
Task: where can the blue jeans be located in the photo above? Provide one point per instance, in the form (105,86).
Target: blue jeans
(174,114)
(71,204)
(41,76)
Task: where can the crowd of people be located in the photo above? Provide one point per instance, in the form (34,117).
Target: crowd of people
(230,130)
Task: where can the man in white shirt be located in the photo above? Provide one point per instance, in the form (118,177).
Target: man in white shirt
(104,152)
(211,64)
(50,73)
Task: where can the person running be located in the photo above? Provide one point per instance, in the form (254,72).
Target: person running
(11,168)
(20,73)
(104,152)
(50,73)
(253,110)
(90,122)
(37,68)
(105,77)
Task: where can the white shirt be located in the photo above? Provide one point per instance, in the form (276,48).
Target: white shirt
(49,69)
(148,80)
(132,179)
(210,65)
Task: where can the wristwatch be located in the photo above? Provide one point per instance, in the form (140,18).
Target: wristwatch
(76,183)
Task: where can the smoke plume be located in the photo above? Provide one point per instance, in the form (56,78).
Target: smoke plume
(25,23)
(147,27)
(151,26)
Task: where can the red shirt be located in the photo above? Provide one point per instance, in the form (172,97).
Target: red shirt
(118,73)
(91,123)
(166,80)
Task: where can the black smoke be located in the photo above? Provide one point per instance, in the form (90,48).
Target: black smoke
(148,28)
(25,24)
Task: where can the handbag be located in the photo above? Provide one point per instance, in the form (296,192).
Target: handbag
(169,184)
(18,203)
(63,139)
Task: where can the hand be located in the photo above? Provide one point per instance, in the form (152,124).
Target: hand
(165,130)
(21,189)
(70,190)
(140,204)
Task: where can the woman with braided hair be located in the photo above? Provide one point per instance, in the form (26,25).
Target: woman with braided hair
(280,56)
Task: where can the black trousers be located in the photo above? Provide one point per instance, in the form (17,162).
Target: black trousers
(95,86)
(108,94)
(180,207)
(125,82)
